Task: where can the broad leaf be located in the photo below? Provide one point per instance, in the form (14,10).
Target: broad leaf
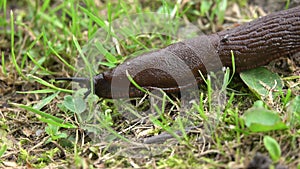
(74,104)
(261,80)
(259,119)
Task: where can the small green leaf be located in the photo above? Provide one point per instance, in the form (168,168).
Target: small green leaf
(258,104)
(68,103)
(261,80)
(80,105)
(259,119)
(273,148)
(3,149)
(51,130)
(54,132)
(74,104)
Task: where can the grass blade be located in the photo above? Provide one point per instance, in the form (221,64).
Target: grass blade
(43,82)
(44,115)
(14,60)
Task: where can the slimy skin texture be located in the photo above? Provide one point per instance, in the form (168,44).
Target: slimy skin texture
(258,42)
(254,44)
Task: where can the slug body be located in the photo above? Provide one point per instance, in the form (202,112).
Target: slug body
(254,44)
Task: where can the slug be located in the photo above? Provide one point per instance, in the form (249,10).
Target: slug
(254,44)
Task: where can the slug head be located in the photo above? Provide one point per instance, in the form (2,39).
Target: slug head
(102,86)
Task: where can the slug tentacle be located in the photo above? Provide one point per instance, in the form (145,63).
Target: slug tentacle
(74,79)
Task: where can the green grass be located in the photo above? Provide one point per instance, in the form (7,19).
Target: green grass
(45,123)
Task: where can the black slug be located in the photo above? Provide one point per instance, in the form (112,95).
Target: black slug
(254,44)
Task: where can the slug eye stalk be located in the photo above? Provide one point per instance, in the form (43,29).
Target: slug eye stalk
(74,79)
